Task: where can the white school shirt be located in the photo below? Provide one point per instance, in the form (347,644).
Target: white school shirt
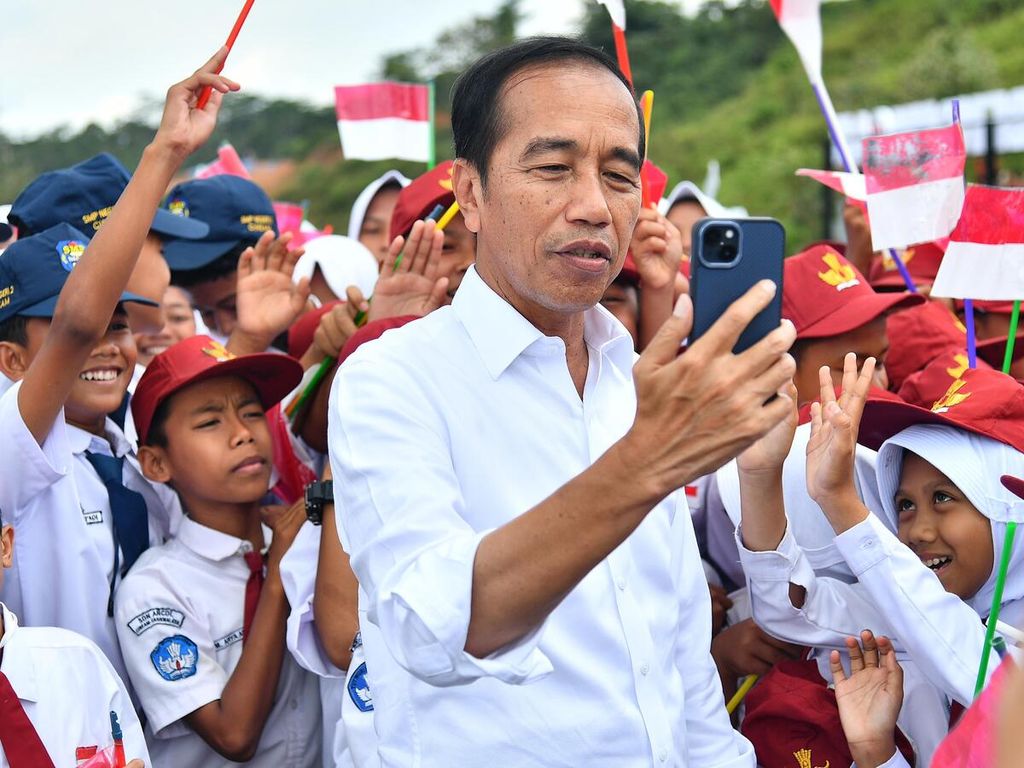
(456,424)
(179,617)
(60,511)
(68,690)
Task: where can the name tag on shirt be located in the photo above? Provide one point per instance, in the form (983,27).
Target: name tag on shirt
(92,518)
(155,616)
(228,640)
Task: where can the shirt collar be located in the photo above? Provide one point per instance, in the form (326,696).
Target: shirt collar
(21,675)
(208,543)
(115,443)
(500,334)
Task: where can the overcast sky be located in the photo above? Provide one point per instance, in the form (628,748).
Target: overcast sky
(71,62)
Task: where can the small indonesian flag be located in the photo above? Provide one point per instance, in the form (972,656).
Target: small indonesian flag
(617,10)
(228,163)
(381,121)
(915,185)
(801,21)
(654,180)
(985,256)
(852,185)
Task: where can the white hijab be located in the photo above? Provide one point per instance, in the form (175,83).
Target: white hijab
(355,221)
(974,464)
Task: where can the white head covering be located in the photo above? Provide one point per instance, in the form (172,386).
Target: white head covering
(687,190)
(355,221)
(974,464)
(808,524)
(343,262)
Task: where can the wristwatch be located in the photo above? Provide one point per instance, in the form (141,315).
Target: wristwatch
(318,493)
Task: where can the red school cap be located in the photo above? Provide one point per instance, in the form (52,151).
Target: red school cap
(980,400)
(930,383)
(993,350)
(824,295)
(423,194)
(200,358)
(919,335)
(300,334)
(922,261)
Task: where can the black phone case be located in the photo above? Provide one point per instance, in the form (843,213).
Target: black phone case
(713,287)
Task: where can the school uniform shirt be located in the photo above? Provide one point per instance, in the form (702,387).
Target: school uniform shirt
(60,510)
(450,427)
(68,690)
(179,616)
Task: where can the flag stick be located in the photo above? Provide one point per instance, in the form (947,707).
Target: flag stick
(204,97)
(647,105)
(1012,338)
(972,354)
(448,215)
(621,52)
(432,148)
(997,599)
(741,693)
(828,111)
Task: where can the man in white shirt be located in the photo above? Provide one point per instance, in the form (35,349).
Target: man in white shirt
(505,479)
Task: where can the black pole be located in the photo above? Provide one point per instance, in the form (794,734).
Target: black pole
(991,171)
(826,194)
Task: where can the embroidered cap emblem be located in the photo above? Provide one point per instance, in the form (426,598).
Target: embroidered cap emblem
(218,352)
(840,276)
(178,207)
(70,251)
(952,398)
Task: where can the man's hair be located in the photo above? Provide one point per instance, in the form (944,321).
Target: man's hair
(15,330)
(478,120)
(219,267)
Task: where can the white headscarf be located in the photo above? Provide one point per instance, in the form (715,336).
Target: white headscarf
(974,464)
(343,261)
(355,222)
(687,190)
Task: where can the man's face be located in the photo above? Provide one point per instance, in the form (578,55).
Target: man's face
(215,300)
(870,340)
(376,223)
(563,193)
(684,215)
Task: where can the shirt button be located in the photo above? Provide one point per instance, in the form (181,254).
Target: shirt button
(867,544)
(644,668)
(663,755)
(621,584)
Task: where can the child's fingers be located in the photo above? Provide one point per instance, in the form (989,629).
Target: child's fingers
(870,648)
(827,392)
(245,262)
(393,252)
(856,655)
(216,62)
(261,253)
(836,665)
(434,255)
(412,245)
(849,378)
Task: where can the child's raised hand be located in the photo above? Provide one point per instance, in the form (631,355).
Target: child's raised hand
(768,453)
(285,522)
(183,128)
(413,287)
(869,698)
(834,427)
(266,299)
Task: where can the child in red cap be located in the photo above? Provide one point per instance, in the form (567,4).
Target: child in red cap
(201,619)
(835,311)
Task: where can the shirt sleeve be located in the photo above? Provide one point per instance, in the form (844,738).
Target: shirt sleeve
(27,467)
(896,761)
(943,634)
(401,516)
(168,652)
(710,737)
(832,610)
(120,702)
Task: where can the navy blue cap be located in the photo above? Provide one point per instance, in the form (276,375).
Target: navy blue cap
(33,271)
(236,209)
(83,196)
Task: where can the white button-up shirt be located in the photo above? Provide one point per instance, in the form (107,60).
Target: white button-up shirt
(60,511)
(179,616)
(450,427)
(68,690)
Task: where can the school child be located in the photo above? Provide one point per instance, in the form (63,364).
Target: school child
(69,484)
(57,691)
(201,619)
(929,584)
(370,220)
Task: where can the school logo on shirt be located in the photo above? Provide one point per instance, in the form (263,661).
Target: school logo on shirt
(178,207)
(70,251)
(803,759)
(154,616)
(840,276)
(359,689)
(952,398)
(218,352)
(175,658)
(228,640)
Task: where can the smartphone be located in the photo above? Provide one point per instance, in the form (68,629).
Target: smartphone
(728,257)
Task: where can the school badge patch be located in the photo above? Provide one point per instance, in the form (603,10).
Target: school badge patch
(359,689)
(178,207)
(175,658)
(70,251)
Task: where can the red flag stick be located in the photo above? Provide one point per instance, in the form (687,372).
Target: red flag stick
(205,95)
(621,53)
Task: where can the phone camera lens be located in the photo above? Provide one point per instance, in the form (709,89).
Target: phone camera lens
(721,244)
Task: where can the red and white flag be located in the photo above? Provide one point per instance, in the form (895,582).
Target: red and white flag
(801,21)
(915,185)
(227,163)
(985,256)
(852,185)
(380,121)
(617,10)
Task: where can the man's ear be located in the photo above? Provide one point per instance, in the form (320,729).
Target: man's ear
(468,188)
(6,546)
(14,360)
(155,464)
